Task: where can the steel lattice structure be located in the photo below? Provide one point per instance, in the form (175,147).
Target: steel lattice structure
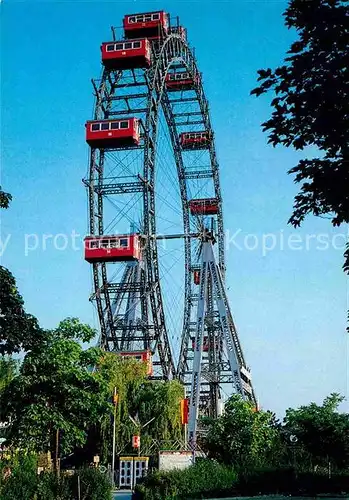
(130,303)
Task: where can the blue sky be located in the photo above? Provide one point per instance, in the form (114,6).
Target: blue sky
(289,305)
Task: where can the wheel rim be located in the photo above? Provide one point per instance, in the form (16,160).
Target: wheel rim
(197,176)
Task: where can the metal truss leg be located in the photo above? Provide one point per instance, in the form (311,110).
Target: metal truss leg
(115,308)
(130,314)
(212,289)
(197,362)
(235,355)
(223,318)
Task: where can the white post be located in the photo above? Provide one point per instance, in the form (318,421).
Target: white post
(79,490)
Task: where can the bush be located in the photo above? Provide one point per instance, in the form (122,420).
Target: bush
(51,487)
(288,481)
(321,483)
(208,479)
(93,485)
(265,481)
(25,484)
(204,479)
(22,483)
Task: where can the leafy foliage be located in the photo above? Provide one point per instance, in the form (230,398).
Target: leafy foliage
(55,390)
(62,387)
(93,485)
(18,329)
(249,440)
(288,481)
(141,399)
(24,483)
(310,106)
(208,479)
(242,436)
(8,371)
(322,431)
(160,401)
(203,480)
(127,377)
(5,199)
(23,480)
(52,487)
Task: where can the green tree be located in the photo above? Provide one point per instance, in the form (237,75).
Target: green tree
(160,401)
(322,431)
(5,199)
(55,390)
(311,107)
(242,436)
(8,371)
(141,399)
(126,376)
(18,329)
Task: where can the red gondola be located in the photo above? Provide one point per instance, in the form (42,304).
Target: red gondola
(151,24)
(126,55)
(195,140)
(143,356)
(205,344)
(196,276)
(112,248)
(113,133)
(180,81)
(207,206)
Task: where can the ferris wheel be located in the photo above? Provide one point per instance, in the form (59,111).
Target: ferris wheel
(156,238)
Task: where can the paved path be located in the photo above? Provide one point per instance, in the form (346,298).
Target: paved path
(122,495)
(126,495)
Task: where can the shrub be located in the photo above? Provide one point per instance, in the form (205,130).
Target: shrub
(23,480)
(51,487)
(93,485)
(288,481)
(265,481)
(208,479)
(204,479)
(320,483)
(25,484)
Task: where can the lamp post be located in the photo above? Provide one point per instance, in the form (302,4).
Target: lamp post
(293,440)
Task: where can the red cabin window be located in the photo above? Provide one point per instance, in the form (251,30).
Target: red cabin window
(126,55)
(112,248)
(96,127)
(207,206)
(113,134)
(151,24)
(195,140)
(180,81)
